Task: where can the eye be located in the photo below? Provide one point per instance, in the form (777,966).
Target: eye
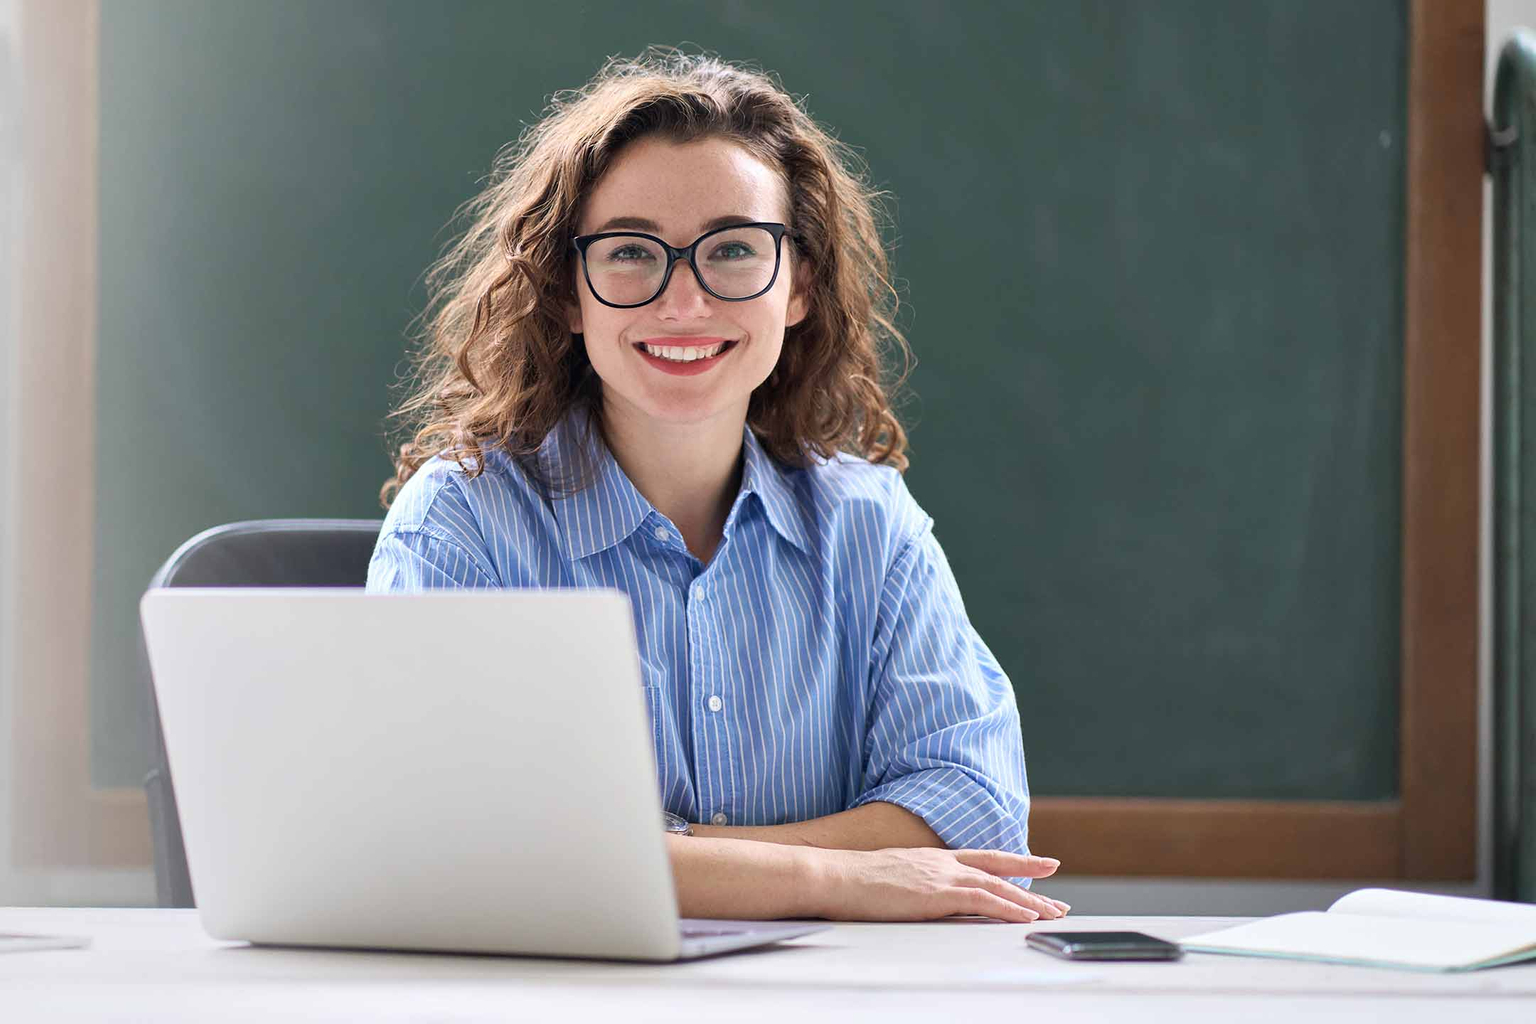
(630,253)
(733,251)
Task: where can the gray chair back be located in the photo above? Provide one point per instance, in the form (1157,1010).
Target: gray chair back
(260,553)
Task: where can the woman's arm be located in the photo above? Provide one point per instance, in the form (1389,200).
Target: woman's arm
(943,737)
(744,880)
(874,826)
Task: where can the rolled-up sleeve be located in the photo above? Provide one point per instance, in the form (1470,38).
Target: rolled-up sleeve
(943,736)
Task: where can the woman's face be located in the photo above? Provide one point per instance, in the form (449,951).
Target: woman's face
(677,192)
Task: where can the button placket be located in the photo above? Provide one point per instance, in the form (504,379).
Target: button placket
(698,663)
(722,777)
(707,743)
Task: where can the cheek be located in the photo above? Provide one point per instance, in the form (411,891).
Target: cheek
(596,318)
(597,336)
(603,329)
(590,318)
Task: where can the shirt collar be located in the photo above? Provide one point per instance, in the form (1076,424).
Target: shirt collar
(762,476)
(602,514)
(607,511)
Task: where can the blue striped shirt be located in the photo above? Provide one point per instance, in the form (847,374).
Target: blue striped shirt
(821,660)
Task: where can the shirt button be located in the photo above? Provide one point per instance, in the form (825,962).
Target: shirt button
(719,819)
(715,704)
(662,533)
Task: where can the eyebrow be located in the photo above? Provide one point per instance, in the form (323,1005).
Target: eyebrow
(644,224)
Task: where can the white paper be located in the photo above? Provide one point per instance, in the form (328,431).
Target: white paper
(1422,943)
(1420,906)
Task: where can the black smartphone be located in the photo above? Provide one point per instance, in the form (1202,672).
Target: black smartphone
(1103,946)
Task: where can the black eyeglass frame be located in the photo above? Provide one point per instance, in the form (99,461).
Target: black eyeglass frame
(582,242)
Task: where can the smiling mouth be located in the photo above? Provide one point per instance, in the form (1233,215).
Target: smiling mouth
(685,354)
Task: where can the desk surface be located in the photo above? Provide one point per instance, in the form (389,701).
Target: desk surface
(159,964)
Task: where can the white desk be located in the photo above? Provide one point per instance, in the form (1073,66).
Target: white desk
(159,965)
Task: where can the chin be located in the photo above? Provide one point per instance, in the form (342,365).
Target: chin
(679,411)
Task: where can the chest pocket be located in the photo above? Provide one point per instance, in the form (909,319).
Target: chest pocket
(652,685)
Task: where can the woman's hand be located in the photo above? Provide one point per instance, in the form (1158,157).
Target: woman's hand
(924,884)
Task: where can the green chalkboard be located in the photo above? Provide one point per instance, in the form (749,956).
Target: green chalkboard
(1152,257)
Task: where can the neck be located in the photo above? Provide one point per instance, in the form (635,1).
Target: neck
(690,472)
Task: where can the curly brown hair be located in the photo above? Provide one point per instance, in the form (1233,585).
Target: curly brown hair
(497,365)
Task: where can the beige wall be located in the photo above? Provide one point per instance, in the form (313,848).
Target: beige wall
(61,840)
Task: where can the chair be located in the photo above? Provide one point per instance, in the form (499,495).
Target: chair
(261,553)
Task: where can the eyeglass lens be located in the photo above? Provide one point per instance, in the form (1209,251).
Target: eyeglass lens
(735,263)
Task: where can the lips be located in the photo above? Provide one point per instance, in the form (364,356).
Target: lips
(685,368)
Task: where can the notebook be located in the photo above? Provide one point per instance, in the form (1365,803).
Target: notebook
(1388,928)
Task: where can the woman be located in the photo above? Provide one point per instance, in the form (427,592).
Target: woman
(653,363)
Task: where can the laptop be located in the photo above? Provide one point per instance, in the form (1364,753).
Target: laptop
(459,771)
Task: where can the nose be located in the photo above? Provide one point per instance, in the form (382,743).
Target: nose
(683,298)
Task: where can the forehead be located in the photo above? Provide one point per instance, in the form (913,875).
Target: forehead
(682,187)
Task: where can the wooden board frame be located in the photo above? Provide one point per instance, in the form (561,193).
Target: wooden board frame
(1430,832)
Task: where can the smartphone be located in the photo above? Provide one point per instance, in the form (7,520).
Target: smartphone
(1103,946)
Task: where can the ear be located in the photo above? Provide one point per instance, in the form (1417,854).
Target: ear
(799,293)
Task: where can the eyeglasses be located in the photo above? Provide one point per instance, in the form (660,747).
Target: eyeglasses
(735,263)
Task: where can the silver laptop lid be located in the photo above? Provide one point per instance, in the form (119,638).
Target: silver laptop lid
(464,770)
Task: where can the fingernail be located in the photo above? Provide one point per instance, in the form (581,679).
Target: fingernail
(1052,861)
(1063,907)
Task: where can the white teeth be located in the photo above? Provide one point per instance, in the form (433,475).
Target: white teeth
(683,355)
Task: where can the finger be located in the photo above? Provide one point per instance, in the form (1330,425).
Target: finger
(1042,905)
(972,900)
(1008,865)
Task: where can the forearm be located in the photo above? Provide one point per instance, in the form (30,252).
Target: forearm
(741,879)
(874,826)
(753,881)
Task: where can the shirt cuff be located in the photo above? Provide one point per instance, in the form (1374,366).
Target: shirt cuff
(959,809)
